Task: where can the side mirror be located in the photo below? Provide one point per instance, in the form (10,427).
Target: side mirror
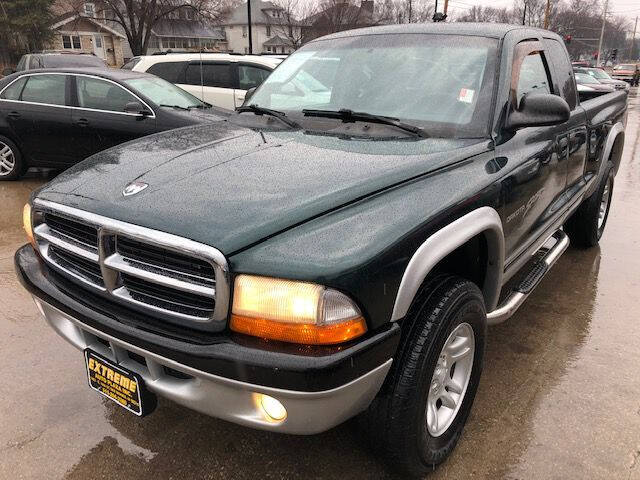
(538,110)
(8,71)
(249,94)
(136,108)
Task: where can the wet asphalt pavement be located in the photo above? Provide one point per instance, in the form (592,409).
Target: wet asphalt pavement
(559,397)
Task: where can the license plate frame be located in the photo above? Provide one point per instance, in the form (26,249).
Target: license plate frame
(115,382)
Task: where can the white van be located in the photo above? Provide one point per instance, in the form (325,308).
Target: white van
(220,79)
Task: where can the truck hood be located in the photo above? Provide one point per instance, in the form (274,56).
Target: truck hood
(231,187)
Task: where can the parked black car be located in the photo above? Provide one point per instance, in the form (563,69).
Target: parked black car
(55,118)
(33,61)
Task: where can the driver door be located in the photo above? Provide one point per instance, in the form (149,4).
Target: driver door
(533,191)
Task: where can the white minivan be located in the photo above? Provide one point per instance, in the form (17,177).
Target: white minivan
(220,79)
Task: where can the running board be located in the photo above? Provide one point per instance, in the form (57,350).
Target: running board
(532,279)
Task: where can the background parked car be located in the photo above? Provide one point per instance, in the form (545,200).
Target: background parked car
(624,71)
(55,118)
(603,77)
(32,61)
(591,82)
(217,78)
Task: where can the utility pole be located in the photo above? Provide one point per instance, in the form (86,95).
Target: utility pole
(249,27)
(547,12)
(604,21)
(633,40)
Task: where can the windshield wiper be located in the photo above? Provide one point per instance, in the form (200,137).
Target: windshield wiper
(178,107)
(347,115)
(267,111)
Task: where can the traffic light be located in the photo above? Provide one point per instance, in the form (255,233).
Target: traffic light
(567,39)
(614,54)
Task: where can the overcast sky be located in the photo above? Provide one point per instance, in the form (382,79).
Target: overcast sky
(627,8)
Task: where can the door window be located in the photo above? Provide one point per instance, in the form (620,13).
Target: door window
(563,70)
(533,76)
(102,95)
(48,89)
(13,91)
(249,77)
(169,71)
(213,75)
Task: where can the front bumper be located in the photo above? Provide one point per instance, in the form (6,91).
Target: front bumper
(307,412)
(175,370)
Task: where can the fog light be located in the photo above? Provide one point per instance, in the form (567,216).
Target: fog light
(273,409)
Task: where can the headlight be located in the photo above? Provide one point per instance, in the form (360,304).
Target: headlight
(296,312)
(26,224)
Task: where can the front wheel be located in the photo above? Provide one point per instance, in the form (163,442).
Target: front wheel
(419,416)
(586,225)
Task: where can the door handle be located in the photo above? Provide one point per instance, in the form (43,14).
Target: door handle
(563,148)
(13,115)
(82,122)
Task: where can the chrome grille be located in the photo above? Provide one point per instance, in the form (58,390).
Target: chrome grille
(173,278)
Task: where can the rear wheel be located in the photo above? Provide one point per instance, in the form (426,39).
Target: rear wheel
(419,415)
(11,161)
(586,225)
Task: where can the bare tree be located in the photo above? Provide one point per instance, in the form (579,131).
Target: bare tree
(404,11)
(292,22)
(487,14)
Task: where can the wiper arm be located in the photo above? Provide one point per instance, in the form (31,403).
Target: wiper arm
(267,111)
(347,115)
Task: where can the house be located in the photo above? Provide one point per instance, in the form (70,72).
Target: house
(273,30)
(79,33)
(179,30)
(339,15)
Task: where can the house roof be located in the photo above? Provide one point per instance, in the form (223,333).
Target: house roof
(186,29)
(277,41)
(70,17)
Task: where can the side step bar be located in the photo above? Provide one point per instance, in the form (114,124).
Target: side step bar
(533,278)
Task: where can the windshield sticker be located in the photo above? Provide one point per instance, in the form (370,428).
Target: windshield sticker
(466,95)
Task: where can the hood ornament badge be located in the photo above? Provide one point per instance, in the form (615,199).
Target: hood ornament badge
(133,188)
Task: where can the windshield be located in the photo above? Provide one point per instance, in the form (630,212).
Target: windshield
(441,83)
(600,74)
(624,67)
(164,93)
(585,78)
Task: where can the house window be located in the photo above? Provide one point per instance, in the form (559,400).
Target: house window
(268,30)
(90,10)
(244,32)
(71,42)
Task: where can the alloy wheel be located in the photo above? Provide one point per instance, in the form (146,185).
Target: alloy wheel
(450,379)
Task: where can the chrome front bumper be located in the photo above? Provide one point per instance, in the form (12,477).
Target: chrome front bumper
(232,400)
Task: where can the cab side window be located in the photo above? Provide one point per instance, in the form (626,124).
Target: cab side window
(533,76)
(563,70)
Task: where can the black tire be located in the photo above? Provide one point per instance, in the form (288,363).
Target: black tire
(582,227)
(396,420)
(14,157)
